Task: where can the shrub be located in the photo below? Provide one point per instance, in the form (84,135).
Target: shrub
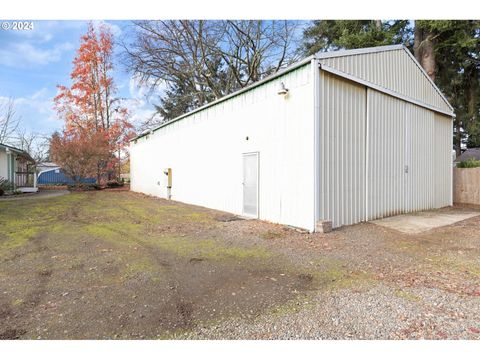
(5,186)
(84,187)
(114,184)
(470,163)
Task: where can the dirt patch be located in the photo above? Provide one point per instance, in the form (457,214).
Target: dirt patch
(119,265)
(12,334)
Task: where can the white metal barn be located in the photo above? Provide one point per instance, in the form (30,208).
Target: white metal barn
(359,135)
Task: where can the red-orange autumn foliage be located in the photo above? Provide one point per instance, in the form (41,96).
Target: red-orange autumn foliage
(79,152)
(89,105)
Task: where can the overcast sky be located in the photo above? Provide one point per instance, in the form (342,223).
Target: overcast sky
(34,62)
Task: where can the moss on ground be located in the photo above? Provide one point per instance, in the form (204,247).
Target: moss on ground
(333,274)
(143,266)
(17,302)
(407,295)
(272,235)
(463,266)
(208,249)
(14,237)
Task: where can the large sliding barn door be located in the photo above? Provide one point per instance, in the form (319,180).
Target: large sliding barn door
(379,155)
(387,154)
(420,171)
(402,160)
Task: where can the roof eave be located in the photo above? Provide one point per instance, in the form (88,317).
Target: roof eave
(236,93)
(359,51)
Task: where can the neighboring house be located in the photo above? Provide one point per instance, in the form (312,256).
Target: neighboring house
(52,174)
(345,136)
(468,154)
(18,167)
(46,166)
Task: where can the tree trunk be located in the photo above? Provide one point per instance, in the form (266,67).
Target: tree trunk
(423,48)
(428,57)
(457,139)
(471,93)
(378,24)
(417,41)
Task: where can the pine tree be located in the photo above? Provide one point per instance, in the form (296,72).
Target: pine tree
(448,50)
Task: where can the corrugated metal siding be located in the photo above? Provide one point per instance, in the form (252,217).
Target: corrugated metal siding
(367,141)
(342,150)
(393,70)
(50,177)
(420,132)
(443,160)
(386,155)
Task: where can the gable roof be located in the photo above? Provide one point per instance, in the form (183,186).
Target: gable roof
(374,65)
(417,85)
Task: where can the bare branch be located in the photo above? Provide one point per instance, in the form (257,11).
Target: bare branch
(9,121)
(207,59)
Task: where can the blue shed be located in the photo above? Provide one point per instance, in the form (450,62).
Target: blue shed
(56,176)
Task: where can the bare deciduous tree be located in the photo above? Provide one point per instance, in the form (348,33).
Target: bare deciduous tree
(34,144)
(9,120)
(201,60)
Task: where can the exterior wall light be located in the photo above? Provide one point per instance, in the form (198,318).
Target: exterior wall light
(283,90)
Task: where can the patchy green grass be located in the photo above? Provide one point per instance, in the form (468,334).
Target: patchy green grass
(124,258)
(458,264)
(119,220)
(208,249)
(334,274)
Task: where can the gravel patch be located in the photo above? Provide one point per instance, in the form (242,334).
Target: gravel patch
(380,312)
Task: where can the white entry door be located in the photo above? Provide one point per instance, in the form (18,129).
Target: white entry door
(250,184)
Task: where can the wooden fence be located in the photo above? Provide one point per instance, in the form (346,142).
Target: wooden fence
(466,185)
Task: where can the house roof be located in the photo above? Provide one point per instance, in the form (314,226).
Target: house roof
(473,153)
(47,164)
(317,56)
(18,151)
(12,148)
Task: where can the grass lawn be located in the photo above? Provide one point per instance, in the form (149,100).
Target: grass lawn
(120,265)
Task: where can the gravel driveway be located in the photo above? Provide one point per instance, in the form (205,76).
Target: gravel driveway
(120,265)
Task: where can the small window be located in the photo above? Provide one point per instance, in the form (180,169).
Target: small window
(57,171)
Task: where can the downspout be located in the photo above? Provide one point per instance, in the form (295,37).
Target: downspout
(316,140)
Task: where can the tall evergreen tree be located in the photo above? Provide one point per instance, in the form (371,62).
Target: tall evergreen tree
(456,47)
(448,50)
(326,35)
